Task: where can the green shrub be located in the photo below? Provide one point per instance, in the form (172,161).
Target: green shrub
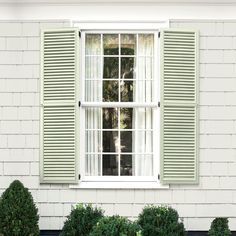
(160,221)
(18,213)
(81,220)
(115,226)
(219,227)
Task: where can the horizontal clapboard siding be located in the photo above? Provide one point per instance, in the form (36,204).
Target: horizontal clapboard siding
(59,49)
(179,106)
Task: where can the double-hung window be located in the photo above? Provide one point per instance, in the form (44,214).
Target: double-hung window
(119,106)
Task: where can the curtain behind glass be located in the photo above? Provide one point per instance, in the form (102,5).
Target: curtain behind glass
(92,94)
(143,117)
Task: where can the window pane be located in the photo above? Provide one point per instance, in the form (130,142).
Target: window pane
(92,67)
(142,141)
(127,68)
(145,44)
(93,91)
(126,141)
(144,165)
(93,165)
(110,118)
(126,165)
(111,68)
(111,44)
(143,118)
(126,118)
(143,91)
(110,165)
(93,44)
(93,118)
(145,68)
(93,141)
(110,141)
(110,91)
(126,90)
(128,44)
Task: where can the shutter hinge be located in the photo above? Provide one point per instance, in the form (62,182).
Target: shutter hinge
(159,34)
(159,104)
(158,176)
(79,103)
(80,34)
(79,176)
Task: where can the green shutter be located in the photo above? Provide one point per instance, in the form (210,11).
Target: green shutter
(179,97)
(58,105)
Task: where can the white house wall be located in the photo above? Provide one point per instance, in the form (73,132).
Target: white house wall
(19,127)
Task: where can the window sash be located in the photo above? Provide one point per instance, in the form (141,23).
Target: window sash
(154,105)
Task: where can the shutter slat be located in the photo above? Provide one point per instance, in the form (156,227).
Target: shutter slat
(179,51)
(59,50)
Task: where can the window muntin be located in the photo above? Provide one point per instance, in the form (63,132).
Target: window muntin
(119,70)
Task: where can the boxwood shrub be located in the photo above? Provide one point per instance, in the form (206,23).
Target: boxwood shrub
(18,213)
(219,227)
(81,220)
(115,226)
(160,221)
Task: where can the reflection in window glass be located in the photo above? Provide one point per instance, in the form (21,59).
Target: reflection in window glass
(110,165)
(110,91)
(128,44)
(111,44)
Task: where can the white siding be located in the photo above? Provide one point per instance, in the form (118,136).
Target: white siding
(19,126)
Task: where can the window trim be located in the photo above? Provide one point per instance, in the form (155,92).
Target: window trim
(121,181)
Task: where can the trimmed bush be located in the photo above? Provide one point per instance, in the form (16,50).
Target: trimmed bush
(18,213)
(81,220)
(219,227)
(115,226)
(160,221)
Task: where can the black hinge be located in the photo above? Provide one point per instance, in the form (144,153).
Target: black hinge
(159,104)
(79,176)
(80,34)
(79,103)
(159,34)
(159,176)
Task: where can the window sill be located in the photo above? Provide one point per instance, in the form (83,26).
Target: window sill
(118,185)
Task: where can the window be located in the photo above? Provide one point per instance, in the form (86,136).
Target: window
(118,133)
(120,94)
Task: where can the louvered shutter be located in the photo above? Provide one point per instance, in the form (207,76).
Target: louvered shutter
(58,99)
(179,97)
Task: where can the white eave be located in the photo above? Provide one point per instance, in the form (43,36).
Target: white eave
(156,2)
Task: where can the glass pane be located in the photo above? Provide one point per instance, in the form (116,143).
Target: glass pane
(93,91)
(126,118)
(143,118)
(146,44)
(92,67)
(111,68)
(145,68)
(127,68)
(110,91)
(128,44)
(143,91)
(93,141)
(126,164)
(93,165)
(93,44)
(110,118)
(126,141)
(110,141)
(93,118)
(126,90)
(142,141)
(111,44)
(144,165)
(110,165)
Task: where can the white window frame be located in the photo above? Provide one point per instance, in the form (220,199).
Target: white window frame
(120,181)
